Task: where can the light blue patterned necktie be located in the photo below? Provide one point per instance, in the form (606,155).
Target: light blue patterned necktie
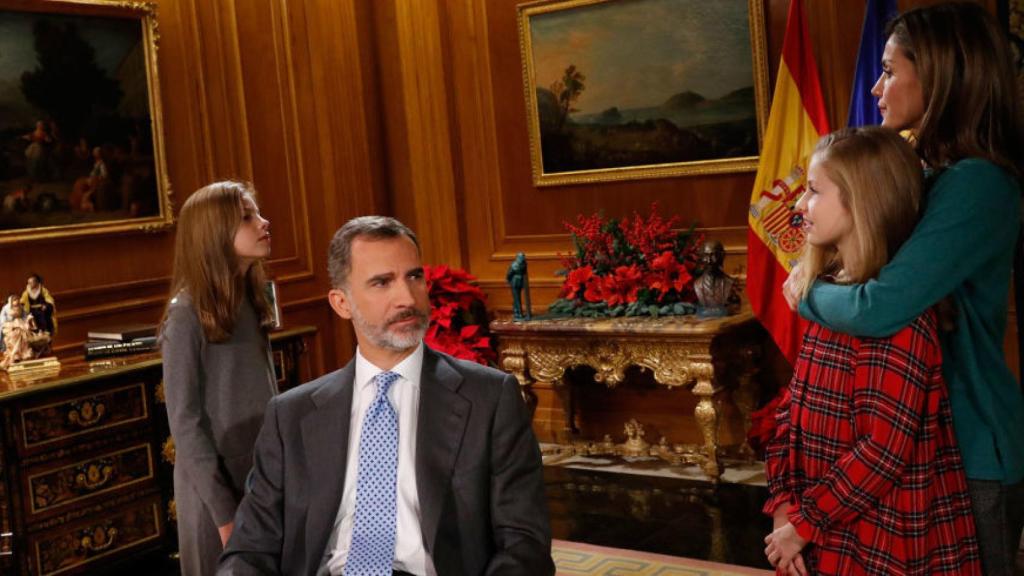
(373,532)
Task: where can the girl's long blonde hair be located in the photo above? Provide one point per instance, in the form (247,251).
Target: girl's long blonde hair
(880,180)
(206,265)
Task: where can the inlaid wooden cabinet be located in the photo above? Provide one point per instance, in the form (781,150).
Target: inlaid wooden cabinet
(83,486)
(81,479)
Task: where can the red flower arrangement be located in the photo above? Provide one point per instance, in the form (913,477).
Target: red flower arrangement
(629,267)
(458,320)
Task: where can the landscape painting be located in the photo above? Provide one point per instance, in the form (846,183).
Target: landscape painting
(80,147)
(624,89)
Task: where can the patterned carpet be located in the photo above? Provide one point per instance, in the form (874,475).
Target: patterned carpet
(575,559)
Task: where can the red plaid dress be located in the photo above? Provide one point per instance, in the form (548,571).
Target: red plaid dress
(864,453)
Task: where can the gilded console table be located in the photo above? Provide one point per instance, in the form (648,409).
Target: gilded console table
(707,355)
(82,488)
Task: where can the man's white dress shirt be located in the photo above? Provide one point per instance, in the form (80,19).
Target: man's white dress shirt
(404,395)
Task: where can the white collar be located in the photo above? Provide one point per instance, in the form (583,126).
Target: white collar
(409,369)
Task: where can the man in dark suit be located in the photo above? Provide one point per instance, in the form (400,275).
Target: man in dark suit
(406,459)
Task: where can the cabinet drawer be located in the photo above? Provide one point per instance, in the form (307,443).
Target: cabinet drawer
(59,486)
(78,546)
(84,414)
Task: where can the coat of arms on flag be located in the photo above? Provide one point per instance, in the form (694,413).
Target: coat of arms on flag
(774,220)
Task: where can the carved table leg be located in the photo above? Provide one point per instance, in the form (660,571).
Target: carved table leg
(513,361)
(707,415)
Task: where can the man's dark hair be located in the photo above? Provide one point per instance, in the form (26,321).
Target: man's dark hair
(339,255)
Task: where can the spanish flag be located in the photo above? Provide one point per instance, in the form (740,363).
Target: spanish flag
(775,240)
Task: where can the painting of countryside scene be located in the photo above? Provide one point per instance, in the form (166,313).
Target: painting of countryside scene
(76,140)
(642,84)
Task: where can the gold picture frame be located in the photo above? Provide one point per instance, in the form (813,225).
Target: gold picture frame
(81,138)
(627,49)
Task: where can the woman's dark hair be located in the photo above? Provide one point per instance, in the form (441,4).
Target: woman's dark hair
(964,64)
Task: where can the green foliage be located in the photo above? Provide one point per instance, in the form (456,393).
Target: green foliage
(571,308)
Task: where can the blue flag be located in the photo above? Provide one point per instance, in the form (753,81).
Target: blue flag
(863,107)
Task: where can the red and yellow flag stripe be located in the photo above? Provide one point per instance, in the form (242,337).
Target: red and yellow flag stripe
(796,121)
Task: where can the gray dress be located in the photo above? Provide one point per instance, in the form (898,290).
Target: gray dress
(216,395)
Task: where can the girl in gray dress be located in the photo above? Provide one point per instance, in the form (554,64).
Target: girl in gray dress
(218,375)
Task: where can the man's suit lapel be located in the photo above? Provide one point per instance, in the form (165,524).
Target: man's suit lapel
(325,441)
(442,422)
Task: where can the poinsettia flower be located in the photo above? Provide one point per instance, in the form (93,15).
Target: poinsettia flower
(453,329)
(629,279)
(683,279)
(576,282)
(628,274)
(452,284)
(434,274)
(622,286)
(665,261)
(444,314)
(594,290)
(659,281)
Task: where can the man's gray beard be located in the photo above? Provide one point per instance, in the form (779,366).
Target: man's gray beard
(384,338)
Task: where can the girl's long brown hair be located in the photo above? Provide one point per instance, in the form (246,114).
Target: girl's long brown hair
(205,263)
(880,181)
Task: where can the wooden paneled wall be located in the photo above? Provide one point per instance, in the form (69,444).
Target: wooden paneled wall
(279,93)
(496,209)
(336,108)
(458,141)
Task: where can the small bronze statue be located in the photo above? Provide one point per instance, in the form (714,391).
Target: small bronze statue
(519,281)
(716,290)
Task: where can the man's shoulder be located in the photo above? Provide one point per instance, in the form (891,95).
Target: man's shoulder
(301,395)
(476,381)
(470,370)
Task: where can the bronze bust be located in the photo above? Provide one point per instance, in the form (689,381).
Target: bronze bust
(716,290)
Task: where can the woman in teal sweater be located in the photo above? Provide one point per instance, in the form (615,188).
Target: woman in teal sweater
(947,77)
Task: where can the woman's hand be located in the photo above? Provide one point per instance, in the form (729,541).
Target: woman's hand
(783,550)
(791,287)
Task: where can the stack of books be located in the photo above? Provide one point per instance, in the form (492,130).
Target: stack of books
(120,341)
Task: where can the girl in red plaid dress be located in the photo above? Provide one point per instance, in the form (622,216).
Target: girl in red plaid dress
(864,471)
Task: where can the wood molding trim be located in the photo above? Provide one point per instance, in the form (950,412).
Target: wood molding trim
(477,130)
(418,126)
(340,93)
(235,90)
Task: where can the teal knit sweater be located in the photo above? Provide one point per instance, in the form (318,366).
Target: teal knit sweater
(964,246)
